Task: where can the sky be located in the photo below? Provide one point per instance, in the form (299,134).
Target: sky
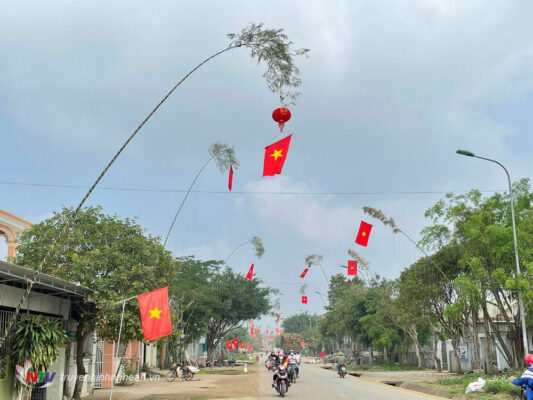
(390,91)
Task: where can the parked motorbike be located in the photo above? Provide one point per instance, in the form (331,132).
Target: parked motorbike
(282,377)
(342,370)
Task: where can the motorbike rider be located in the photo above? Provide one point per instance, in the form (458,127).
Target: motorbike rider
(340,359)
(526,378)
(293,360)
(282,360)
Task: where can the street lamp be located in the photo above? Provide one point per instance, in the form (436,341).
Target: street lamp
(520,301)
(322,297)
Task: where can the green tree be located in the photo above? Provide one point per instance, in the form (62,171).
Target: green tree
(234,300)
(482,230)
(36,340)
(112,256)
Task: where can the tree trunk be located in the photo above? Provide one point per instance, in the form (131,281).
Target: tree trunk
(475,335)
(506,354)
(414,336)
(81,336)
(163,354)
(456,355)
(435,347)
(488,342)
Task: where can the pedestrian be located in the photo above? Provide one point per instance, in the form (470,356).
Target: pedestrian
(322,355)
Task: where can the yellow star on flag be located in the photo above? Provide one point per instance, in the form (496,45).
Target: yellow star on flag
(155,313)
(363,234)
(277,154)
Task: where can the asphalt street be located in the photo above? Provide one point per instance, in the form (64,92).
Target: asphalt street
(318,383)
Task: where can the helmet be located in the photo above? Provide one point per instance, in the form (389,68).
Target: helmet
(273,352)
(341,353)
(292,351)
(280,353)
(529,359)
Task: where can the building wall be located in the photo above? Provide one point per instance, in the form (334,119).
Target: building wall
(6,385)
(37,302)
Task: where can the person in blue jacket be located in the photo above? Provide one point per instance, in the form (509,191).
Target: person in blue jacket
(526,378)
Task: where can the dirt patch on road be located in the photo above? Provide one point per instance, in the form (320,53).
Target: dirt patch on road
(202,387)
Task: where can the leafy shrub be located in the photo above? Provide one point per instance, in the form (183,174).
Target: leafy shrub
(501,385)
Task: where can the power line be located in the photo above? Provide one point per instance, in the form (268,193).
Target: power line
(167,190)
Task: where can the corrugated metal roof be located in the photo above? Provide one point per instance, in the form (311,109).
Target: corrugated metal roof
(15,273)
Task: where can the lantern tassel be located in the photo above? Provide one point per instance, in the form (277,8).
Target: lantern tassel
(281,124)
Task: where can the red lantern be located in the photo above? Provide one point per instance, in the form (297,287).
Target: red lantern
(281,115)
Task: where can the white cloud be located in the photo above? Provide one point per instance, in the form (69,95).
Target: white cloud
(311,217)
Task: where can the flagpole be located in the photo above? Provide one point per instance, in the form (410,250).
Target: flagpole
(118,345)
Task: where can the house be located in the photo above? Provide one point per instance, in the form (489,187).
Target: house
(50,297)
(10,227)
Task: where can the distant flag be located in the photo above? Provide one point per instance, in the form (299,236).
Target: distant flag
(304,273)
(250,273)
(155,314)
(229,345)
(278,318)
(352,268)
(364,234)
(242,345)
(303,345)
(230,179)
(275,155)
(304,299)
(235,342)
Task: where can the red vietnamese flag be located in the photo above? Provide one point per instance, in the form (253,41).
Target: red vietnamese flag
(155,314)
(304,273)
(271,337)
(229,345)
(363,234)
(235,342)
(352,268)
(275,155)
(250,273)
(230,179)
(242,345)
(304,299)
(278,318)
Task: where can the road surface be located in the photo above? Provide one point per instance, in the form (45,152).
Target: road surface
(318,383)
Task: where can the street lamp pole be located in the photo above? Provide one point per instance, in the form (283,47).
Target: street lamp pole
(322,297)
(520,301)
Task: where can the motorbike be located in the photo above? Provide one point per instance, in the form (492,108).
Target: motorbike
(342,370)
(270,364)
(294,371)
(281,384)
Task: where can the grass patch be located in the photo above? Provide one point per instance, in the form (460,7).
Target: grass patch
(495,388)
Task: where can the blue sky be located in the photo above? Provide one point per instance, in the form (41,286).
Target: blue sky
(390,91)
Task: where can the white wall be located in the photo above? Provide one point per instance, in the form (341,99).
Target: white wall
(10,297)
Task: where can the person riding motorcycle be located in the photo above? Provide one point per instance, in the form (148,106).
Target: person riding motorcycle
(282,360)
(293,362)
(527,377)
(340,359)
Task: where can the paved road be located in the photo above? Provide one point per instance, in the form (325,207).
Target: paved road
(318,383)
